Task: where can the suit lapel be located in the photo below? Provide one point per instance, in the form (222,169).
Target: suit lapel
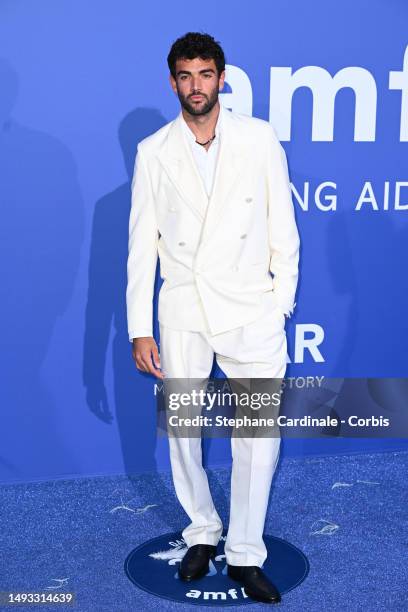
(179,164)
(231,162)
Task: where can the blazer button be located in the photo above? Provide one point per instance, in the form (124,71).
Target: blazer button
(248,200)
(182,243)
(243,236)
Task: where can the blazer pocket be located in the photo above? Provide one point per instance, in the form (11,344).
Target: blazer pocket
(259,266)
(257,270)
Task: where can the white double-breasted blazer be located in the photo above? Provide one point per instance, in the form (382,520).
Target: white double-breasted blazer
(219,254)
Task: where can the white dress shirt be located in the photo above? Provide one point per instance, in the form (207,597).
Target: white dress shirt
(206,160)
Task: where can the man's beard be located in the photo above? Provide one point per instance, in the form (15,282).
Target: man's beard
(205,105)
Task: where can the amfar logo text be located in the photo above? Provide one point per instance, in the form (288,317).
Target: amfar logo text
(324,88)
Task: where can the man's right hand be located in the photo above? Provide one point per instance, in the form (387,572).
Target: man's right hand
(146,356)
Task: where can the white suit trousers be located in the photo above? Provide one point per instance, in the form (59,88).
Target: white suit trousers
(256,350)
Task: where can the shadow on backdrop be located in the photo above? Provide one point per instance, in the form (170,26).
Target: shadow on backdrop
(42,230)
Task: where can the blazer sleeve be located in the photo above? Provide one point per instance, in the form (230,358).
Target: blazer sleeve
(282,230)
(143,253)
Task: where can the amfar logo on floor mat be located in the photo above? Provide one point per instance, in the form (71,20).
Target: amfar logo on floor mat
(153,567)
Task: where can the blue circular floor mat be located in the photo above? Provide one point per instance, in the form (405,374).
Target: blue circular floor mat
(153,566)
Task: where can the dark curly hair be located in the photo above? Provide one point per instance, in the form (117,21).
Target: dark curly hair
(196,44)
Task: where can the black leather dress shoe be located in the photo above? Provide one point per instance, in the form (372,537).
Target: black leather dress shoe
(257,585)
(195,562)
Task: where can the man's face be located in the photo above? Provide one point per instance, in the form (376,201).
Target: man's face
(197,84)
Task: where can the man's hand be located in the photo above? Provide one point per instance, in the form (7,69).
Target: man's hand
(146,356)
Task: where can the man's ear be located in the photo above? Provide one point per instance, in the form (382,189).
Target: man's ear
(172,83)
(221,81)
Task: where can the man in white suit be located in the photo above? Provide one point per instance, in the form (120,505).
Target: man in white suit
(211,199)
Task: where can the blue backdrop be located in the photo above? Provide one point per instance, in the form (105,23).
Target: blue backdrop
(81,84)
